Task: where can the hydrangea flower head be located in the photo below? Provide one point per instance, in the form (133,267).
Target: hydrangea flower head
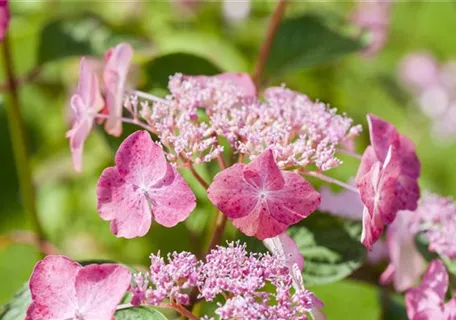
(63,289)
(118,60)
(261,199)
(142,186)
(427,301)
(86,103)
(387,178)
(242,81)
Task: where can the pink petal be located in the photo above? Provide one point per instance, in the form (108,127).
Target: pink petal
(126,207)
(295,201)
(367,161)
(99,288)
(346,204)
(88,87)
(52,289)
(435,279)
(140,161)
(419,70)
(450,309)
(264,173)
(423,305)
(242,80)
(171,199)
(4,18)
(115,77)
(283,245)
(406,261)
(382,135)
(378,253)
(260,223)
(230,193)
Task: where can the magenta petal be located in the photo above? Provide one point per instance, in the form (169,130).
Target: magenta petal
(171,199)
(436,278)
(115,77)
(52,289)
(99,288)
(450,309)
(367,161)
(259,223)
(382,135)
(88,87)
(4,18)
(123,204)
(140,161)
(295,201)
(264,173)
(230,193)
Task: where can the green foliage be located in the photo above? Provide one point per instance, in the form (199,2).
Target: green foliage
(330,247)
(139,313)
(17,307)
(304,42)
(159,69)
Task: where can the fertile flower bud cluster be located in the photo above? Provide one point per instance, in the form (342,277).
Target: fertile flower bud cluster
(240,277)
(298,130)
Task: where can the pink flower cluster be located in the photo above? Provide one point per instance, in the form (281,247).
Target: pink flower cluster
(240,277)
(374,17)
(199,109)
(434,87)
(427,301)
(436,217)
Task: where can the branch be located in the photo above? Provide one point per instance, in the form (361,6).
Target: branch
(267,44)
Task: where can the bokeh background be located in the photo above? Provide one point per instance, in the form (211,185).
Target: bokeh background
(48,37)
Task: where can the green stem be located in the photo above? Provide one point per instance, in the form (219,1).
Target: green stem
(18,140)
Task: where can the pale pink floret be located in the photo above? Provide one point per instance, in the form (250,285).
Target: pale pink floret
(4,18)
(262,200)
(242,81)
(85,104)
(387,178)
(419,70)
(63,289)
(427,301)
(118,60)
(142,187)
(346,203)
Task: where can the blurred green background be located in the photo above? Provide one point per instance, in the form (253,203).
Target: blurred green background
(47,38)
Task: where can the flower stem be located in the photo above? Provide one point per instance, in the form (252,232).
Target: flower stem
(181,310)
(126,120)
(350,153)
(18,140)
(322,177)
(198,177)
(146,96)
(267,44)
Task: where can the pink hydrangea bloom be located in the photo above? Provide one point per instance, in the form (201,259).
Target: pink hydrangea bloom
(374,17)
(86,103)
(387,178)
(284,246)
(419,70)
(63,289)
(261,199)
(142,186)
(4,18)
(118,60)
(406,263)
(427,301)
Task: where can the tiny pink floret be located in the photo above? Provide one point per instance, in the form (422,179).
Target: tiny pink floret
(261,199)
(118,60)
(63,289)
(142,187)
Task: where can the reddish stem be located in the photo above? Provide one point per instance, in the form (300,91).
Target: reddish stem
(267,44)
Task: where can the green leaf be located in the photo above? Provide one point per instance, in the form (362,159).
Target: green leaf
(139,313)
(17,307)
(422,244)
(215,49)
(306,41)
(78,36)
(330,247)
(159,69)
